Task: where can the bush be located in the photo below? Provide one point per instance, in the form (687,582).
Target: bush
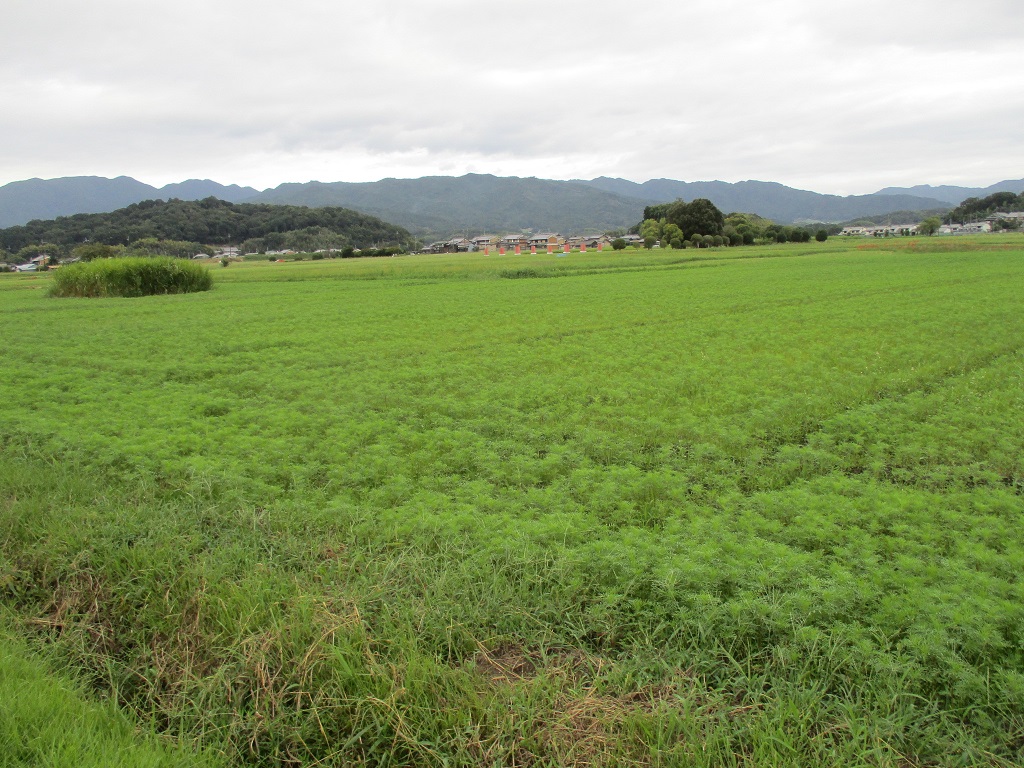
(821,235)
(130,277)
(618,244)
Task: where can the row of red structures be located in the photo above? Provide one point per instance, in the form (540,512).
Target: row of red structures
(566,248)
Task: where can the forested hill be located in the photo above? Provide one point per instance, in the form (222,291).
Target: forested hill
(211,221)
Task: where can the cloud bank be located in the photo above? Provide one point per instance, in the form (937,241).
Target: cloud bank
(841,97)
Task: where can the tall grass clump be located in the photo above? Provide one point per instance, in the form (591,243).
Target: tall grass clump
(129,277)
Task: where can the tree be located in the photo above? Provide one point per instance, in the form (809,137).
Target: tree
(90,251)
(697,217)
(659,211)
(650,228)
(618,244)
(929,226)
(697,240)
(671,232)
(821,235)
(649,242)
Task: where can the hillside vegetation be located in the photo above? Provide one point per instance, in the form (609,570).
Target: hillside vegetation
(974,208)
(747,507)
(210,221)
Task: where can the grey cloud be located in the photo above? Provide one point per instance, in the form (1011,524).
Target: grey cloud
(839,93)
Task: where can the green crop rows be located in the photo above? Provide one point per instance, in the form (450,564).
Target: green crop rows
(760,507)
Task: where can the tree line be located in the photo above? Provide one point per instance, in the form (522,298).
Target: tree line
(700,223)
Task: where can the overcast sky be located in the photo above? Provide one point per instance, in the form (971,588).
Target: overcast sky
(841,96)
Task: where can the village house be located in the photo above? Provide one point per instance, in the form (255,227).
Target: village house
(971,228)
(883,230)
(540,240)
(997,219)
(544,239)
(511,241)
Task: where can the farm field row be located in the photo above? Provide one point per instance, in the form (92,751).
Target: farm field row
(651,508)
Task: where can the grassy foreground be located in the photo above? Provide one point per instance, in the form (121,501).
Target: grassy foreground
(744,507)
(46,720)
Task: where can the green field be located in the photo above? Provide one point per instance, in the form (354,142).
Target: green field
(755,506)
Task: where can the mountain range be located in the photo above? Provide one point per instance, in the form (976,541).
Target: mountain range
(769,199)
(956,195)
(23,201)
(440,206)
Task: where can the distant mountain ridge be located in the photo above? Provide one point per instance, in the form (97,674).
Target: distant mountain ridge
(23,201)
(441,206)
(769,199)
(471,204)
(956,195)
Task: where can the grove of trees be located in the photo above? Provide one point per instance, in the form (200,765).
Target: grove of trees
(974,208)
(699,224)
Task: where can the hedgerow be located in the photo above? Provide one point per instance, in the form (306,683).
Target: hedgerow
(130,277)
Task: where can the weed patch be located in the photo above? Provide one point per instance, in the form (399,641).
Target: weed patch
(129,277)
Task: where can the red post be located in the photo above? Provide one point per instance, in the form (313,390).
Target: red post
(533,250)
(551,248)
(501,250)
(583,247)
(566,249)
(518,249)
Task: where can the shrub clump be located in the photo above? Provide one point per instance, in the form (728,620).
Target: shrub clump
(130,277)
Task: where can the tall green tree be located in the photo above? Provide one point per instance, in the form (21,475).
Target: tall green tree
(650,229)
(700,216)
